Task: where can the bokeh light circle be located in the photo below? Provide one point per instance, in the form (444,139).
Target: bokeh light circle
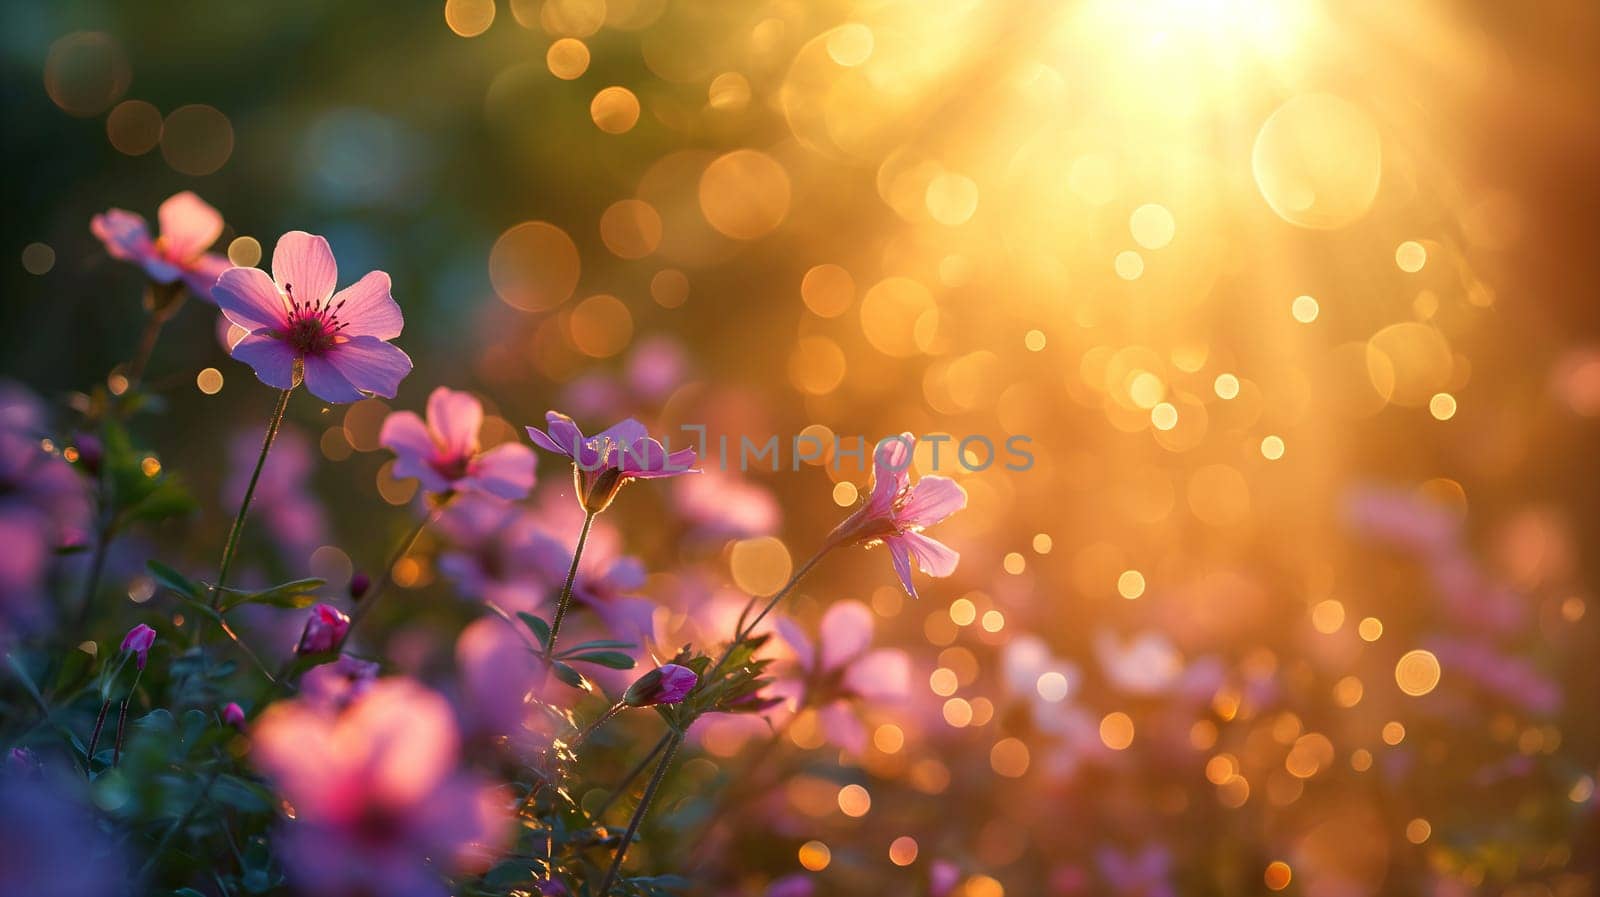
(534,266)
(744,194)
(1317,161)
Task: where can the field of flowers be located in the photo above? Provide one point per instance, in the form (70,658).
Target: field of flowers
(944,448)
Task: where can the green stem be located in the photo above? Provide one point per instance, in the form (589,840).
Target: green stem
(637,770)
(639,812)
(565,600)
(237,529)
(147,347)
(365,603)
(743,631)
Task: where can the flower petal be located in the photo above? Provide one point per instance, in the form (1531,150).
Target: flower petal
(272,358)
(564,437)
(305,262)
(900,554)
(124,234)
(371,365)
(845,632)
(407,436)
(250,299)
(201,277)
(791,632)
(841,726)
(934,557)
(505,471)
(369,309)
(188,226)
(328,383)
(931,500)
(624,433)
(891,467)
(883,675)
(454,417)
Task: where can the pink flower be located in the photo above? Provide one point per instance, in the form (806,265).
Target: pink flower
(295,319)
(840,670)
(44,505)
(897,511)
(138,641)
(720,506)
(669,683)
(325,630)
(188,228)
(380,805)
(332,686)
(445,455)
(233,715)
(601,464)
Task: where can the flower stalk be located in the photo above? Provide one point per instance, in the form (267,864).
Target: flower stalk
(565,600)
(673,741)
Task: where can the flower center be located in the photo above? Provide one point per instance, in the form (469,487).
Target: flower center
(452,468)
(312,329)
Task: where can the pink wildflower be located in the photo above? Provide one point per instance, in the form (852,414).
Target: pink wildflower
(897,511)
(603,463)
(138,642)
(188,228)
(840,669)
(380,805)
(669,683)
(325,630)
(333,686)
(295,320)
(445,455)
(233,715)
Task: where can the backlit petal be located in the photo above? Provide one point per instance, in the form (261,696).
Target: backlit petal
(188,226)
(455,418)
(305,262)
(931,500)
(272,358)
(883,675)
(369,309)
(328,383)
(505,471)
(250,299)
(900,554)
(124,234)
(934,557)
(201,276)
(371,365)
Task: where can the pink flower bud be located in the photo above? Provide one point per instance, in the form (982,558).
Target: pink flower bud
(138,640)
(359,583)
(233,715)
(666,684)
(324,631)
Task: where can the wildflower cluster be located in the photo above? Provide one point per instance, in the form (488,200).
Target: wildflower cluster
(268,717)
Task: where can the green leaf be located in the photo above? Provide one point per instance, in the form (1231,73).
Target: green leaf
(508,875)
(597,645)
(571,676)
(167,498)
(541,629)
(298,593)
(241,794)
(303,662)
(613,660)
(173,580)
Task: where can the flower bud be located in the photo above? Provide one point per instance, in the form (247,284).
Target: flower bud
(233,715)
(138,641)
(666,684)
(596,489)
(359,584)
(325,630)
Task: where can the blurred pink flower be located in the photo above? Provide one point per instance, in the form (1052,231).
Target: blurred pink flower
(603,463)
(608,580)
(897,511)
(44,505)
(491,553)
(138,642)
(188,228)
(840,670)
(233,715)
(656,366)
(294,317)
(719,506)
(445,455)
(380,806)
(332,686)
(325,630)
(283,502)
(498,673)
(796,885)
